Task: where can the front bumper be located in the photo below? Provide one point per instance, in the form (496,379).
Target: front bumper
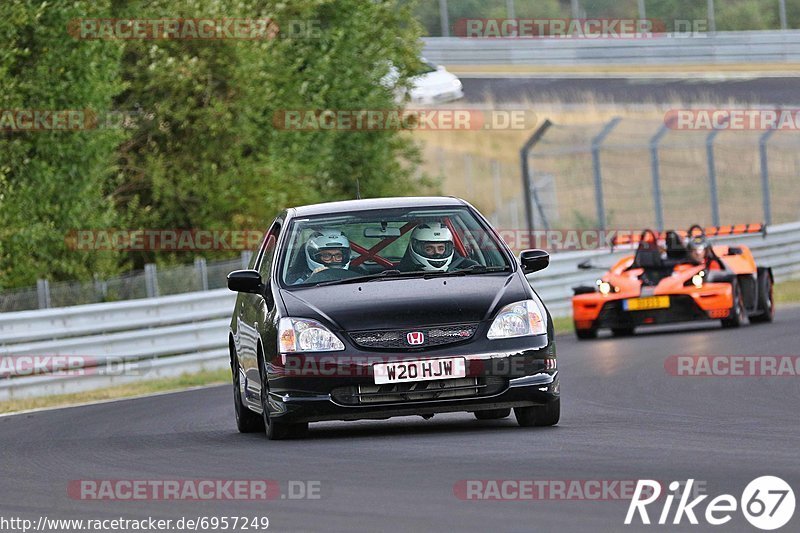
(683,308)
(511,379)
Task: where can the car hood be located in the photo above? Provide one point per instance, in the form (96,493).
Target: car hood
(437,78)
(402,303)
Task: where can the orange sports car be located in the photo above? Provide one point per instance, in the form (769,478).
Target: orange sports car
(677,277)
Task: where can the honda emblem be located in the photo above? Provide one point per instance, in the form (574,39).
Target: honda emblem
(415,338)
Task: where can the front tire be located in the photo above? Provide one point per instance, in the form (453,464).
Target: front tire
(738,315)
(276,430)
(492,414)
(539,415)
(586,334)
(766,302)
(246,420)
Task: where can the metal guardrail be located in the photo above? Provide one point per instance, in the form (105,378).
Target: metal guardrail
(171,335)
(723,47)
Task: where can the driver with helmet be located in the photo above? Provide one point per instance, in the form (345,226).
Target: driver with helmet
(431,248)
(326,248)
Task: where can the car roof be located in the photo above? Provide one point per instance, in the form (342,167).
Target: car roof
(348,206)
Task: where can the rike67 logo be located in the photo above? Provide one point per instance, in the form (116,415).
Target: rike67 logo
(767,503)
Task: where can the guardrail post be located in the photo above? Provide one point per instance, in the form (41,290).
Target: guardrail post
(598,176)
(498,194)
(100,288)
(247,255)
(151,280)
(202,272)
(712,176)
(762,152)
(530,193)
(43,293)
(654,167)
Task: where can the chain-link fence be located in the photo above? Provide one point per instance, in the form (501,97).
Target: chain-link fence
(633,174)
(149,283)
(629,173)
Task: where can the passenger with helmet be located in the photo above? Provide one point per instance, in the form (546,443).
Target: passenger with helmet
(326,248)
(698,249)
(431,248)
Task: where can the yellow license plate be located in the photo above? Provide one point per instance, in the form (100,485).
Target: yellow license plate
(650,302)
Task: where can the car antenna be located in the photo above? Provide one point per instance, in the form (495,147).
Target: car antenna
(358,190)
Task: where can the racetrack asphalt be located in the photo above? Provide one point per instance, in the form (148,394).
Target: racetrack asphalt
(623,418)
(575,90)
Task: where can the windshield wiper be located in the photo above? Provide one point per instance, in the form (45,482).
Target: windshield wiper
(424,274)
(386,274)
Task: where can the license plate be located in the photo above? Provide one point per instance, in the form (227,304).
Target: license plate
(650,302)
(429,369)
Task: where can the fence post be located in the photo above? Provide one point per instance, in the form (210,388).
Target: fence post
(498,194)
(43,293)
(510,11)
(712,176)
(444,18)
(468,177)
(712,21)
(202,272)
(657,175)
(151,280)
(762,152)
(642,11)
(598,176)
(100,288)
(782,14)
(246,256)
(531,195)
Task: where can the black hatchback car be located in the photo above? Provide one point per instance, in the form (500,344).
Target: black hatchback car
(368,309)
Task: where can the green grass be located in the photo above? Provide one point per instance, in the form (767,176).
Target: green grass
(208,377)
(787,291)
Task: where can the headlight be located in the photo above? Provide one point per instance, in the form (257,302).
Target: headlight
(519,320)
(304,335)
(697,279)
(604,287)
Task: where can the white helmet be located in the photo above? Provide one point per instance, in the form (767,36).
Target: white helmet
(327,240)
(432,233)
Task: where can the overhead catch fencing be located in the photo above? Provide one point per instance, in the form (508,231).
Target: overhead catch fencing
(635,173)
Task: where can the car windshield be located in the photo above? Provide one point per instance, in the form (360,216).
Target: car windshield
(389,244)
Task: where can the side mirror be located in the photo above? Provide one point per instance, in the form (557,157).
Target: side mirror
(245,281)
(534,260)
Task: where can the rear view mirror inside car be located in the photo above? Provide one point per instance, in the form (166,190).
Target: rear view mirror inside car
(381,233)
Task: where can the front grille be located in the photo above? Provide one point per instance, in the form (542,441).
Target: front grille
(418,390)
(397,338)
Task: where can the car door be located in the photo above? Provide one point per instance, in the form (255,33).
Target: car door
(259,311)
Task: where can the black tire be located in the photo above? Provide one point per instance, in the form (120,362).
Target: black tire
(766,302)
(539,415)
(492,414)
(738,314)
(276,430)
(622,332)
(586,334)
(246,420)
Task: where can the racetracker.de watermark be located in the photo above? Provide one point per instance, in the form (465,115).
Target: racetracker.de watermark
(558,28)
(733,119)
(183,28)
(44,120)
(166,240)
(545,489)
(70,365)
(732,366)
(193,489)
(425,119)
